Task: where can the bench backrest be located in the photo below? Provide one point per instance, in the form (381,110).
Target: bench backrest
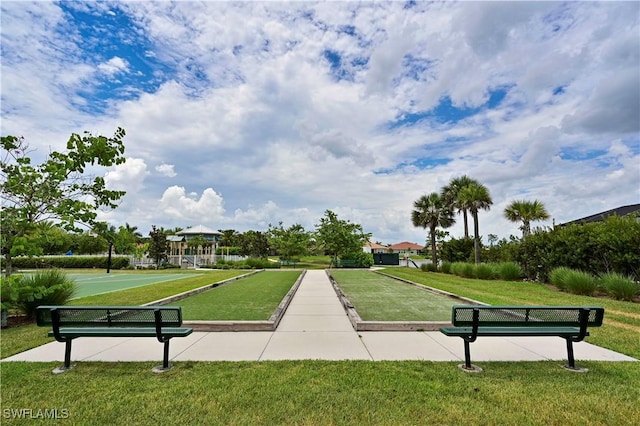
(109,316)
(525,316)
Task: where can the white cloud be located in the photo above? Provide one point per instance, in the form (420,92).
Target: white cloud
(129,176)
(166,170)
(177,204)
(113,66)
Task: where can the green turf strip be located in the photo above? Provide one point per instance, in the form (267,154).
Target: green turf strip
(325,393)
(379,298)
(254,298)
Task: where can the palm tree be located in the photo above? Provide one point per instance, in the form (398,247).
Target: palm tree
(475,197)
(451,194)
(432,211)
(133,230)
(527,212)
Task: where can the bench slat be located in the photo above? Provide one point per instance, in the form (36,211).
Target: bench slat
(121,332)
(512,331)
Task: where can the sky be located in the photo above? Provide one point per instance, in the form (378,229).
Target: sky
(243,114)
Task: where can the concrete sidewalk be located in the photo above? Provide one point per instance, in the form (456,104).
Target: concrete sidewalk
(315,326)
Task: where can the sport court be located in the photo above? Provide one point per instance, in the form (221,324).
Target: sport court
(92,284)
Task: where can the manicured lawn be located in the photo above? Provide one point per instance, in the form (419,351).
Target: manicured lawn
(621,329)
(376,297)
(327,393)
(252,298)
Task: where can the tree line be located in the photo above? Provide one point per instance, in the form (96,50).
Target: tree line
(467,196)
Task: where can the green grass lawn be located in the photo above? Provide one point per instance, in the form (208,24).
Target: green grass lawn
(252,298)
(327,393)
(376,297)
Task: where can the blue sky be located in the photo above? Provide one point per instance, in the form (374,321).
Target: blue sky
(243,114)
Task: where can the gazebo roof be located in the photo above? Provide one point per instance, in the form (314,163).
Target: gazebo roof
(198,230)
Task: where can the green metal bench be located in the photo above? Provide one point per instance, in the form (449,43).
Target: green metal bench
(571,323)
(71,322)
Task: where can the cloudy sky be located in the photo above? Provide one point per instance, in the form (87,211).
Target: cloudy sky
(243,114)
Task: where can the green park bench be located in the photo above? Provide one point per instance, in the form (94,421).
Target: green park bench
(71,322)
(571,323)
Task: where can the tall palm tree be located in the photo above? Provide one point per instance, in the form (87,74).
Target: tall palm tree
(451,194)
(475,197)
(431,211)
(527,212)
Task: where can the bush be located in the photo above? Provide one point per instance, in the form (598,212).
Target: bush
(619,286)
(51,287)
(445,267)
(508,271)
(558,277)
(428,267)
(482,271)
(462,269)
(580,282)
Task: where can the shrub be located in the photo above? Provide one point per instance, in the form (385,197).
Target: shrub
(428,267)
(558,277)
(70,262)
(445,268)
(619,286)
(483,271)
(50,287)
(580,282)
(462,269)
(508,271)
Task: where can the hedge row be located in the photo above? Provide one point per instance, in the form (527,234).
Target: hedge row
(580,282)
(70,262)
(508,271)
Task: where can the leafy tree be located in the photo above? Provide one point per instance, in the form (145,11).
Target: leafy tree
(292,242)
(339,237)
(431,211)
(526,212)
(133,230)
(254,244)
(50,238)
(88,243)
(229,238)
(158,245)
(58,189)
(451,195)
(457,250)
(475,197)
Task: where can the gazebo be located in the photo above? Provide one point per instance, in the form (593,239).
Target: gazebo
(184,253)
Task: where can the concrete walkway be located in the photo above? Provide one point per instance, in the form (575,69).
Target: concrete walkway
(315,326)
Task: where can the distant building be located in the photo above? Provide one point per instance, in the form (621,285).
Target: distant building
(406,248)
(372,248)
(599,217)
(180,252)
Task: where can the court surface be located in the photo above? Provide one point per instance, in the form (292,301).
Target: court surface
(92,284)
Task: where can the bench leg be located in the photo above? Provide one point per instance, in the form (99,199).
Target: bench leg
(571,365)
(67,358)
(467,366)
(467,355)
(165,359)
